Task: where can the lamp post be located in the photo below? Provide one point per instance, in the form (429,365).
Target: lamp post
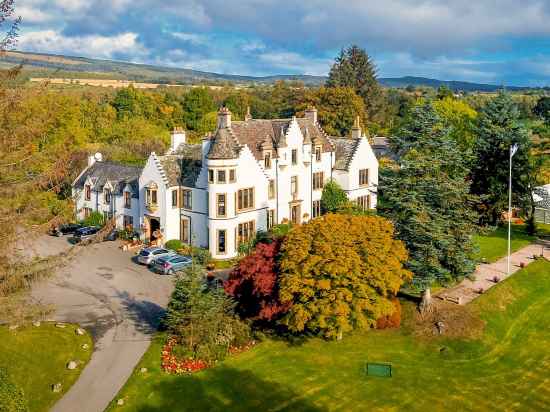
(513,150)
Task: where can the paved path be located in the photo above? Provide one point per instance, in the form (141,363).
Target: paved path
(483,277)
(119,303)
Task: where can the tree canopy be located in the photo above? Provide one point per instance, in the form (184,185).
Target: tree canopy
(542,108)
(339,272)
(333,197)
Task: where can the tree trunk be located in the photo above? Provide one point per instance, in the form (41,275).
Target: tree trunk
(426,303)
(340,335)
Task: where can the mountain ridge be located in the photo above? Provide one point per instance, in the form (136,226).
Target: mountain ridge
(169,75)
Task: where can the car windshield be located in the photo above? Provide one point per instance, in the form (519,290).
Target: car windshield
(161,260)
(144,253)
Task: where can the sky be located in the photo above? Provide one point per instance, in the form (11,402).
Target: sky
(503,42)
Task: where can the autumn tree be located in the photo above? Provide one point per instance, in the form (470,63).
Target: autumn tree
(337,107)
(354,68)
(254,283)
(340,272)
(459,118)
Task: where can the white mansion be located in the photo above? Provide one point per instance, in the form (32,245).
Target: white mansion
(245,177)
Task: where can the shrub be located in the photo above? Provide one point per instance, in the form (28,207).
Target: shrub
(95,219)
(333,197)
(174,244)
(393,320)
(201,255)
(12,398)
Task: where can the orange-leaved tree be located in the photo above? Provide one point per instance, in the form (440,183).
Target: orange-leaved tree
(340,272)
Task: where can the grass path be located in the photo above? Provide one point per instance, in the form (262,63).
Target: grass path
(505,369)
(36,357)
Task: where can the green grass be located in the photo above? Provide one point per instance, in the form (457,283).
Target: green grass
(494,245)
(36,357)
(504,369)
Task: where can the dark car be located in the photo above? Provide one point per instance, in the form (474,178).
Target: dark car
(112,235)
(85,234)
(168,265)
(66,229)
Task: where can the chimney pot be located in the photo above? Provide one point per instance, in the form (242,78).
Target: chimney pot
(224,118)
(177,137)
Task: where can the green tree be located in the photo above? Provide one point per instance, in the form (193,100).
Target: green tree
(427,197)
(196,104)
(459,117)
(338,107)
(498,127)
(339,273)
(333,197)
(354,68)
(542,109)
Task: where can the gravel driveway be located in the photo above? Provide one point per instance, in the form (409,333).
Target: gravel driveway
(116,300)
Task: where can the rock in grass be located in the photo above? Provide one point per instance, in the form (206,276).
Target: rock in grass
(56,387)
(72,365)
(60,325)
(120,402)
(143,370)
(36,323)
(13,327)
(85,346)
(80,331)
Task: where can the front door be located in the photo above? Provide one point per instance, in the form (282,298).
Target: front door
(295,214)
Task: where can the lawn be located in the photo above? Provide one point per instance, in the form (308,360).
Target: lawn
(36,357)
(494,245)
(504,368)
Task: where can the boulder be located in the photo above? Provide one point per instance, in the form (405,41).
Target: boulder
(80,331)
(85,346)
(120,402)
(36,323)
(56,387)
(60,325)
(72,365)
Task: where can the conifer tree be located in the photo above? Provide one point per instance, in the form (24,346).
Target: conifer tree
(427,197)
(498,128)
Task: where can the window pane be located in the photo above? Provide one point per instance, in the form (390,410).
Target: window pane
(221,176)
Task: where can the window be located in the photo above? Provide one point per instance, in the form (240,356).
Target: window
(294,185)
(221,204)
(151,196)
(186,199)
(127,222)
(87,212)
(318,153)
(271,189)
(363,177)
(270,218)
(295,214)
(294,156)
(245,232)
(316,208)
(245,199)
(232,176)
(185,231)
(87,192)
(127,200)
(222,246)
(174,198)
(318,180)
(363,202)
(107,196)
(221,176)
(210,176)
(267,160)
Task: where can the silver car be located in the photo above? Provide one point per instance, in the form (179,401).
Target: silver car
(169,265)
(148,255)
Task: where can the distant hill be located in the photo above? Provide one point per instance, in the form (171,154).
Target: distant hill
(49,65)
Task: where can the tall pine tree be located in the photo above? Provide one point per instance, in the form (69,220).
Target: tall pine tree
(427,197)
(498,128)
(355,69)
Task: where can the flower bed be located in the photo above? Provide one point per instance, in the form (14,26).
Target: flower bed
(170,363)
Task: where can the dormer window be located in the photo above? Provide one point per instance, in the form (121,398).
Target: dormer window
(87,192)
(267,160)
(317,153)
(107,196)
(294,156)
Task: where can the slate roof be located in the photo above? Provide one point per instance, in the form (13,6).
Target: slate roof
(117,174)
(344,148)
(227,142)
(182,168)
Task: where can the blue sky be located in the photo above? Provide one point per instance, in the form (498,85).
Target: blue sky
(491,41)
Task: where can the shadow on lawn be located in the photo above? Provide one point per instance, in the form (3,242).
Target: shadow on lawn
(227,389)
(146,315)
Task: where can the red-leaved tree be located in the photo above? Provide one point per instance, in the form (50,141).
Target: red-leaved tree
(254,284)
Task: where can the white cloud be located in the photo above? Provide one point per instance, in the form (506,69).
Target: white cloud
(192,38)
(31,14)
(296,63)
(50,41)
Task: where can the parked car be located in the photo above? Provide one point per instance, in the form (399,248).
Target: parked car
(112,235)
(85,234)
(169,265)
(147,255)
(66,229)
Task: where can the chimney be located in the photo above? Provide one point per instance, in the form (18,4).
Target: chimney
(98,157)
(247,116)
(224,118)
(356,129)
(311,114)
(177,137)
(91,160)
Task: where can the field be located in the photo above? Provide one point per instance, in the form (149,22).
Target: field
(502,365)
(36,358)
